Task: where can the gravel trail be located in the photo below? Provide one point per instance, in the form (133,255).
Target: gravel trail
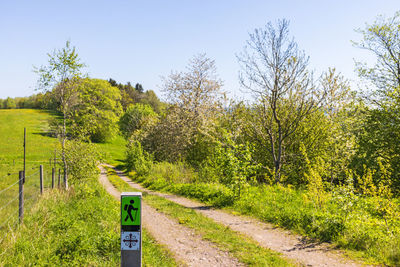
(187,246)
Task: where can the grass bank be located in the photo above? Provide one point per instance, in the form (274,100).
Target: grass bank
(353,223)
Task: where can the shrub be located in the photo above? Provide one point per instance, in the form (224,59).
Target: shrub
(82,160)
(137,159)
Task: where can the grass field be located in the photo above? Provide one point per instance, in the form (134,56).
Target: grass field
(39,149)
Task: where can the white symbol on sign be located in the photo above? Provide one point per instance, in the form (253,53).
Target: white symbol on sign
(130,240)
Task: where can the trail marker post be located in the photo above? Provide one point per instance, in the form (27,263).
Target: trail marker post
(131,229)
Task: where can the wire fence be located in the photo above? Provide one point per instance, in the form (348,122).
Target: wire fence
(37,179)
(20,195)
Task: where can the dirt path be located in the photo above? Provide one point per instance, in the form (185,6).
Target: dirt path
(184,243)
(291,246)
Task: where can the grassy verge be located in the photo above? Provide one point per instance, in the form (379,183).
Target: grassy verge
(240,246)
(352,223)
(76,228)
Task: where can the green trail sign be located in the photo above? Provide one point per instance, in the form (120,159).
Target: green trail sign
(131,210)
(131,229)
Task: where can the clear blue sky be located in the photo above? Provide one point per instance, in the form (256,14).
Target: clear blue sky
(139,41)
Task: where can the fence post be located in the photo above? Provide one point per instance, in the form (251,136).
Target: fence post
(21,197)
(59,178)
(24,153)
(53,174)
(41,179)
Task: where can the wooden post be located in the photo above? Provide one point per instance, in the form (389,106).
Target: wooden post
(41,179)
(21,197)
(53,174)
(59,178)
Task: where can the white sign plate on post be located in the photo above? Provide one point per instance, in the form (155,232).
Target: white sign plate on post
(130,240)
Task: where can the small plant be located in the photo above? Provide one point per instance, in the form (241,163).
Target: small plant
(345,198)
(313,174)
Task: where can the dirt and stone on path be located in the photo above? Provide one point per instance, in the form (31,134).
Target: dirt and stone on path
(267,235)
(187,246)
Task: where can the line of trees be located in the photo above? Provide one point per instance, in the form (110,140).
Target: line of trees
(299,129)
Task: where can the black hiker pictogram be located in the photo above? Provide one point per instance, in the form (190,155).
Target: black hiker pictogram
(129,208)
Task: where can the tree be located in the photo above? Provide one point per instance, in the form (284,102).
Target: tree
(97,110)
(275,71)
(9,103)
(139,88)
(150,98)
(382,38)
(138,117)
(195,97)
(62,76)
(380,136)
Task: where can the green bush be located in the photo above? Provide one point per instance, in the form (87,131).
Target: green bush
(82,160)
(137,159)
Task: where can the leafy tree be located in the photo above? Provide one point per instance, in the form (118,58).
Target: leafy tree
(195,97)
(139,88)
(381,138)
(150,98)
(133,95)
(382,38)
(137,118)
(9,103)
(97,110)
(62,76)
(275,70)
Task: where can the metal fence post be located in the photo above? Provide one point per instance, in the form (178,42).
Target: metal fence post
(59,178)
(21,197)
(41,179)
(53,174)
